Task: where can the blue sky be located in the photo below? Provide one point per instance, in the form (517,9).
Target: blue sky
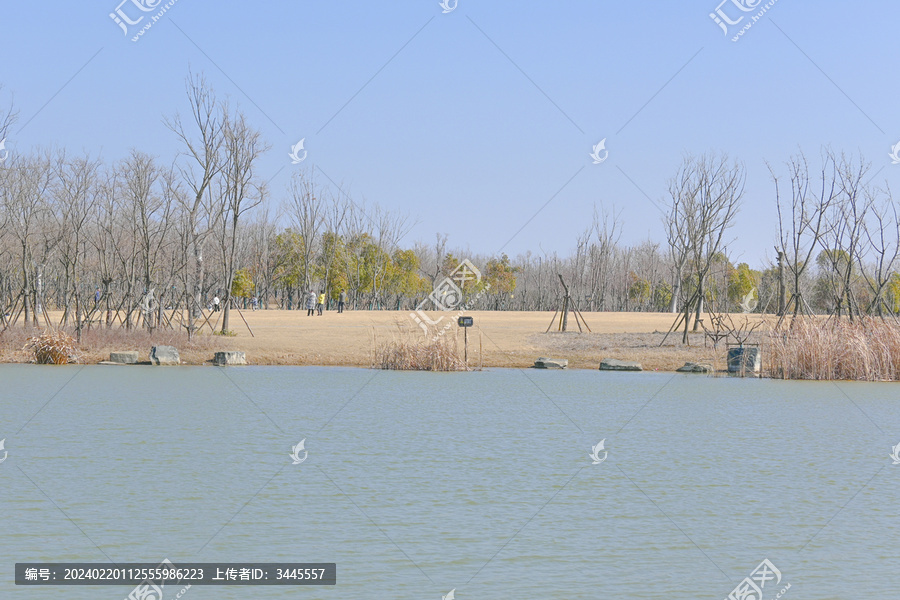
(474,120)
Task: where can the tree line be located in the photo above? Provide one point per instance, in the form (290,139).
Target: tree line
(139,242)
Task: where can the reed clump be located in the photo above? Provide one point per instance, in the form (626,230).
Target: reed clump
(868,349)
(411,352)
(52,347)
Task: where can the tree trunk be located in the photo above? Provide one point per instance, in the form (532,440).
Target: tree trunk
(676,289)
(25,284)
(781,285)
(687,320)
(226,313)
(77,312)
(699,313)
(38,294)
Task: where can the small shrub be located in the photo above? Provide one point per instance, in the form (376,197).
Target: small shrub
(53,347)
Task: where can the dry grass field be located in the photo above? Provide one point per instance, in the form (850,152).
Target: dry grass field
(497,339)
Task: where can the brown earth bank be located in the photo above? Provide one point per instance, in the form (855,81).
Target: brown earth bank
(497,339)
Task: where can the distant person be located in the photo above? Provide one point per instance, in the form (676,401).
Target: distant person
(254,303)
(321,303)
(215,304)
(342,298)
(97,296)
(310,303)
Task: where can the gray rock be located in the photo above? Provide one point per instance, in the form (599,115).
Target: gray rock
(123,358)
(744,360)
(690,367)
(614,364)
(551,363)
(164,355)
(230,358)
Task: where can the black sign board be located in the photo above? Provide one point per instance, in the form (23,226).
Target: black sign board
(465,321)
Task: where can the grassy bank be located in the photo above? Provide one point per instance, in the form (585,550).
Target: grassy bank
(498,339)
(815,348)
(97,343)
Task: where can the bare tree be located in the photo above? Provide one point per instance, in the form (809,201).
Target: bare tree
(75,193)
(242,190)
(882,230)
(203,150)
(25,201)
(802,222)
(8,117)
(681,189)
(432,257)
(263,232)
(306,209)
(106,240)
(708,191)
(846,226)
(607,230)
(390,228)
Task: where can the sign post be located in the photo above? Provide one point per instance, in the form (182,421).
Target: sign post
(465,323)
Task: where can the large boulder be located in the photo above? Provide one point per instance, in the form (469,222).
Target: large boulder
(551,363)
(230,358)
(691,367)
(614,364)
(123,358)
(164,355)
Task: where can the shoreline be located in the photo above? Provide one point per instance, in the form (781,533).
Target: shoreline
(498,339)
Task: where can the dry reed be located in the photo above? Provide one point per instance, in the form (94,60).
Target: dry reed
(410,352)
(867,349)
(52,347)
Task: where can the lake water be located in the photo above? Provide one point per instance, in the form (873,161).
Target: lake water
(419,483)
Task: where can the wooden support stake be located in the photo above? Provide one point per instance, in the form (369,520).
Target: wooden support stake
(552,320)
(245,321)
